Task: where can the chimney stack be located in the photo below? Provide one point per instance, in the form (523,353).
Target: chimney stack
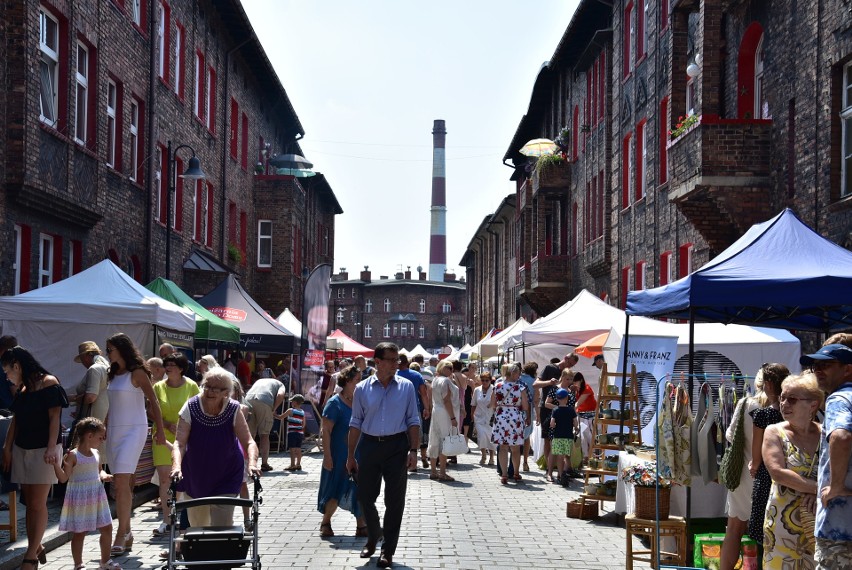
(438,230)
(365,275)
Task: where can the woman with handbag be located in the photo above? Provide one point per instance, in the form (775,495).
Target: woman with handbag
(445,403)
(791,455)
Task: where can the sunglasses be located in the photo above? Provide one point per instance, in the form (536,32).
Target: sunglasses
(214,389)
(793,401)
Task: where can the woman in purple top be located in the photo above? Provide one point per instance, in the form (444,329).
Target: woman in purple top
(208,452)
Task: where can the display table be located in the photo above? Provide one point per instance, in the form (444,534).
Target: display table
(708,501)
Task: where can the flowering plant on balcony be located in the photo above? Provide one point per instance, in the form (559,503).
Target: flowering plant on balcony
(683,125)
(563,139)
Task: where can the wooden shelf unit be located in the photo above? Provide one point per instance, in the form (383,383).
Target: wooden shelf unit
(599,426)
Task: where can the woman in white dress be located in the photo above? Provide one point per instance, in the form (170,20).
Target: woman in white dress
(482,415)
(445,403)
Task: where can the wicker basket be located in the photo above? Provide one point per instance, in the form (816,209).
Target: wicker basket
(646,503)
(582,509)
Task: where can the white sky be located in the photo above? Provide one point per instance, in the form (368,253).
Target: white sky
(368,77)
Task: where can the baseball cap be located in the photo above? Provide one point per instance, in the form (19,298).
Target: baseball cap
(561,393)
(839,352)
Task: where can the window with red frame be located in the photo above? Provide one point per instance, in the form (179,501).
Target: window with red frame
(208,238)
(137,140)
(211,99)
(23,255)
(177,207)
(138,12)
(626,170)
(243,233)
(232,222)
(602,87)
(198,214)
(641,40)
(162,185)
(53,68)
(180,60)
(575,230)
(625,285)
(627,41)
(641,159)
(234,127)
(86,89)
(587,214)
(75,257)
(575,133)
(198,105)
(164,34)
(685,260)
(245,129)
(601,203)
(114,124)
(663,121)
(664,14)
(666,268)
(639,282)
(592,87)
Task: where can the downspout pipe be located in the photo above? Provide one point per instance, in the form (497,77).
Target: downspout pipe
(149,133)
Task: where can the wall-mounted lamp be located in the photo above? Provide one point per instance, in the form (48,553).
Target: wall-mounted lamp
(694,66)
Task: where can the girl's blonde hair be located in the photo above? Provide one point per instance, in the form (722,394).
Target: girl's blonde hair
(807,383)
(86,426)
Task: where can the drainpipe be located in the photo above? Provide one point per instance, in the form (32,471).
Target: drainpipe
(226,103)
(817,86)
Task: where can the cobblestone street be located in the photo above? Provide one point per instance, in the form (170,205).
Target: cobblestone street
(474,523)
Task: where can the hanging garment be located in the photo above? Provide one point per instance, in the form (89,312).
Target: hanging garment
(707,443)
(665,436)
(697,422)
(682,430)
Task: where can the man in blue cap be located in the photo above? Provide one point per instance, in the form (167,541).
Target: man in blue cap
(832,365)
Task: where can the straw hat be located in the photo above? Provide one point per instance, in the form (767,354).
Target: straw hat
(86,347)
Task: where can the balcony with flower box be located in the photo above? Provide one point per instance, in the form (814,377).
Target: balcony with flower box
(552,174)
(720,174)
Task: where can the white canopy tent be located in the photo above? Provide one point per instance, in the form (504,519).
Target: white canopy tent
(501,341)
(420,350)
(462,353)
(289,321)
(92,305)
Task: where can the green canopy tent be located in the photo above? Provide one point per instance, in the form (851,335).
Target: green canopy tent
(210,330)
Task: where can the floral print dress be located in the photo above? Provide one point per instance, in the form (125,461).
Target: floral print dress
(509,419)
(788,531)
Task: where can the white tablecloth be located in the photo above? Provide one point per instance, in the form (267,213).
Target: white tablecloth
(708,501)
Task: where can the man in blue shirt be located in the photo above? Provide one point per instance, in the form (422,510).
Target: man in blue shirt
(832,365)
(385,432)
(422,400)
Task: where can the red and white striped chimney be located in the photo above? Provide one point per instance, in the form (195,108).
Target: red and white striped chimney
(438,230)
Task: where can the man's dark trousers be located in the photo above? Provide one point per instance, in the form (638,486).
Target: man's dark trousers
(386,460)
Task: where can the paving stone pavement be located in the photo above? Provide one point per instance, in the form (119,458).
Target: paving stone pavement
(473,523)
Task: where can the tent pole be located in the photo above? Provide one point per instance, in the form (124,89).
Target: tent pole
(690,384)
(624,373)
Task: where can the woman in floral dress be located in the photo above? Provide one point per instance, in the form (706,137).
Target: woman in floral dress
(510,419)
(790,452)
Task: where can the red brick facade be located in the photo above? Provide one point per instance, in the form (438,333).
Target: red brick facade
(190,73)
(645,207)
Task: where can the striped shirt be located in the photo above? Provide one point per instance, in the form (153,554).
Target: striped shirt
(296,421)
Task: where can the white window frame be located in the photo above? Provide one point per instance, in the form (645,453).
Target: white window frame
(633,43)
(353,292)
(846,133)
(631,169)
(134,138)
(197,225)
(386,330)
(160,181)
(161,40)
(640,273)
(49,67)
(446,307)
(667,268)
(690,97)
(261,239)
(758,80)
(81,101)
(368,331)
(45,258)
(403,329)
(19,236)
(340,292)
(178,50)
(387,305)
(340,318)
(368,306)
(136,12)
(395,330)
(111,106)
(422,331)
(70,258)
(645,35)
(422,306)
(208,118)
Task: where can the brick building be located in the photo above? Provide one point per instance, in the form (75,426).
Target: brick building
(767,87)
(94,93)
(400,309)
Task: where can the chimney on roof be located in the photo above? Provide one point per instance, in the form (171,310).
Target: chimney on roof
(449,277)
(408,272)
(420,273)
(365,275)
(344,275)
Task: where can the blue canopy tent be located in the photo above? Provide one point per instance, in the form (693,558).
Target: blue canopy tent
(779,274)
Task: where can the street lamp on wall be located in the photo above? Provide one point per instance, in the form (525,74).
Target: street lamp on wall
(192,172)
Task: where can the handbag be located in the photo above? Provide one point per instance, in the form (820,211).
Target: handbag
(453,444)
(731,467)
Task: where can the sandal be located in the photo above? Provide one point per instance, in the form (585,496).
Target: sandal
(504,479)
(445,478)
(361,531)
(434,477)
(425,462)
(109,565)
(325,530)
(518,477)
(80,567)
(31,562)
(41,554)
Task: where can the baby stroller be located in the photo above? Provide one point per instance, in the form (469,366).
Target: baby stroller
(214,547)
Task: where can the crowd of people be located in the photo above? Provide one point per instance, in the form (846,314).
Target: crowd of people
(380,419)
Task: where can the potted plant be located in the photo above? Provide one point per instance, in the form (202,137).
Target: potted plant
(683,125)
(234,253)
(549,162)
(646,483)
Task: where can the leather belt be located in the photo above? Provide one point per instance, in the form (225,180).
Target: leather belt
(384,437)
